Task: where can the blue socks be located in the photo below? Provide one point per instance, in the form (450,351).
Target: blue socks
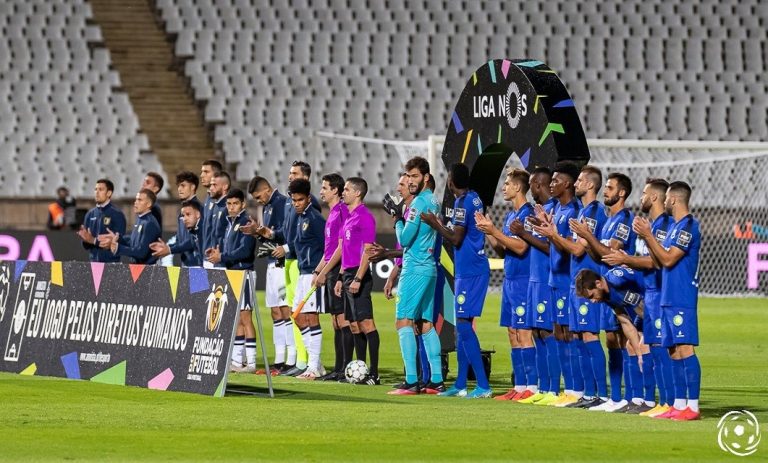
(597,359)
(553,363)
(678,370)
(585,361)
(423,360)
(575,360)
(563,350)
(615,369)
(542,366)
(528,354)
(635,386)
(658,371)
(408,350)
(692,376)
(432,351)
(472,350)
(649,378)
(518,367)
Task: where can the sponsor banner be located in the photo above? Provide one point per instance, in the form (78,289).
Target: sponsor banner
(66,246)
(165,328)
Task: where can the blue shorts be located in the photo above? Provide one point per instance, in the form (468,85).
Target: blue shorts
(608,321)
(652,317)
(541,314)
(514,304)
(560,297)
(415,297)
(470,295)
(584,316)
(679,326)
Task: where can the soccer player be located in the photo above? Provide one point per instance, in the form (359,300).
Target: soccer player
(658,363)
(616,234)
(326,275)
(678,256)
(145,231)
(154,182)
(185,244)
(101,219)
(562,188)
(415,299)
(237,253)
(378,252)
(621,288)
(514,293)
(584,316)
(215,217)
(541,313)
(298,170)
(272,217)
(308,244)
(472,274)
(355,280)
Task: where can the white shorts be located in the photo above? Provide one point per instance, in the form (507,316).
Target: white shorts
(315,302)
(275,290)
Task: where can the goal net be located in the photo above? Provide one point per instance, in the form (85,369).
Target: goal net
(730,196)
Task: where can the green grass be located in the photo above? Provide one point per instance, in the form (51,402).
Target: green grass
(57,419)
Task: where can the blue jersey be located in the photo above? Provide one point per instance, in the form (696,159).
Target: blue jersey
(214,222)
(539,259)
(619,227)
(517,266)
(594,216)
(659,227)
(186,243)
(287,233)
(469,256)
(98,221)
(680,283)
(625,289)
(136,245)
(238,249)
(309,240)
(272,217)
(418,238)
(560,262)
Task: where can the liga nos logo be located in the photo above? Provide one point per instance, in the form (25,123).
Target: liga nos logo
(738,432)
(217,301)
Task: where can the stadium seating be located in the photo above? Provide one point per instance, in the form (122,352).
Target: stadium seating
(637,68)
(64,121)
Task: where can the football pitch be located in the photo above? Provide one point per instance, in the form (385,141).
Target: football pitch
(58,419)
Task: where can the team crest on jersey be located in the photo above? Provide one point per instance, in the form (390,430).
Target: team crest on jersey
(591,223)
(631,298)
(460,215)
(210,205)
(541,307)
(618,272)
(107,220)
(237,227)
(560,303)
(140,227)
(657,323)
(622,231)
(304,226)
(476,202)
(583,309)
(562,218)
(528,226)
(461,299)
(520,311)
(684,239)
(412,213)
(677,320)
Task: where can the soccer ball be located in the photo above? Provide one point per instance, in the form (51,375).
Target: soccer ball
(355,371)
(739,433)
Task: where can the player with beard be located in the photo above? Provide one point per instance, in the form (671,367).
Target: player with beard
(616,234)
(657,365)
(678,256)
(184,243)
